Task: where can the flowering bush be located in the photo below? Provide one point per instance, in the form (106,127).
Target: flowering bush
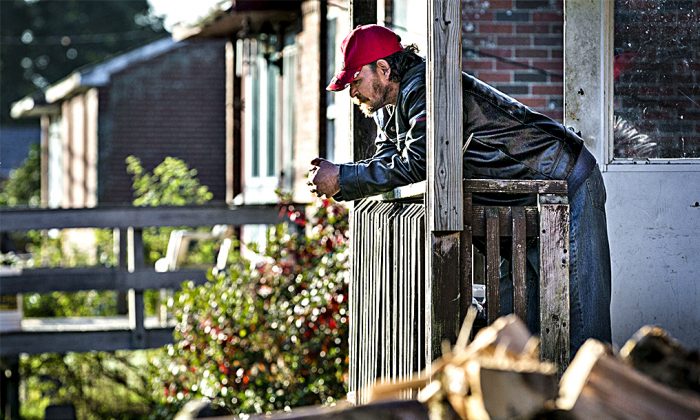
(272,335)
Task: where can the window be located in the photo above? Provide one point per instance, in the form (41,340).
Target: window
(288,94)
(656,79)
(269,91)
(404,19)
(261,127)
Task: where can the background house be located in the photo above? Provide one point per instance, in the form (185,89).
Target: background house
(161,99)
(278,114)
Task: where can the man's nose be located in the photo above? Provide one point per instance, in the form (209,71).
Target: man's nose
(353,91)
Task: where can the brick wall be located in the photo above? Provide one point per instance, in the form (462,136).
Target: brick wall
(171,105)
(516,46)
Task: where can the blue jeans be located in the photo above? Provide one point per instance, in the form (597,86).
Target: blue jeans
(589,269)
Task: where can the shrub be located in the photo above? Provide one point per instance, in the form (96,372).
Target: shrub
(273,335)
(172,183)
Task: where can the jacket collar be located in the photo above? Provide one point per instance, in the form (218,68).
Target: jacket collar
(385,118)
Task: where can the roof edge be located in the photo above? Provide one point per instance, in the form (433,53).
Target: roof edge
(65,87)
(99,74)
(30,107)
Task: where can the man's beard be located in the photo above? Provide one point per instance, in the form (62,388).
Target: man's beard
(367,106)
(367,109)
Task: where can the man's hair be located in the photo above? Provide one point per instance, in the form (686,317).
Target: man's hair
(400,62)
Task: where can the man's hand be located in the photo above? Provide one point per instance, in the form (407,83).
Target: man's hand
(324,177)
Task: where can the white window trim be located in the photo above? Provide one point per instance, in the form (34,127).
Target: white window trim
(588,86)
(257,189)
(55,164)
(289,56)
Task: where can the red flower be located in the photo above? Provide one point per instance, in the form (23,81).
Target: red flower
(223,369)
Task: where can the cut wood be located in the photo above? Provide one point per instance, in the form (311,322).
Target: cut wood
(497,389)
(498,375)
(652,351)
(599,385)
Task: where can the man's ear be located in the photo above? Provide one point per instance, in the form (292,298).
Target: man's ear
(384,68)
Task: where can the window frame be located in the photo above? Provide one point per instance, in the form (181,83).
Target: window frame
(259,188)
(55,164)
(588,87)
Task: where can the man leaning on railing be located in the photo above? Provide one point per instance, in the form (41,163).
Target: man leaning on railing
(506,139)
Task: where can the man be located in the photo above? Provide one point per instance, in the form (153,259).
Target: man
(508,141)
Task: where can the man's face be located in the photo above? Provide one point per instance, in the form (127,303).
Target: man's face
(370,90)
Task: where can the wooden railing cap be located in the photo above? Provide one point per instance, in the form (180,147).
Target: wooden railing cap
(501,186)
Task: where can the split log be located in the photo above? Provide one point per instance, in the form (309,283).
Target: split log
(501,389)
(497,375)
(599,385)
(507,335)
(652,351)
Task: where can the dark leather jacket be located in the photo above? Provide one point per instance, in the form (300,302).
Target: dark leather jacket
(510,141)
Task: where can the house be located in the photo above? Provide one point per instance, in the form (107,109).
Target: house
(519,47)
(278,114)
(162,99)
(275,129)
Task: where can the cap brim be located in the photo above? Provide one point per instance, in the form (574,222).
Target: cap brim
(342,80)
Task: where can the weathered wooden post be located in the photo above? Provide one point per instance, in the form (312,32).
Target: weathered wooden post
(554,279)
(444,210)
(9,387)
(121,249)
(136,307)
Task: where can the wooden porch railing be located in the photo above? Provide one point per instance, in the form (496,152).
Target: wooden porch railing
(391,304)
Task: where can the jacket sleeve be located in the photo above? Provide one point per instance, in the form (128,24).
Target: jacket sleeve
(391,166)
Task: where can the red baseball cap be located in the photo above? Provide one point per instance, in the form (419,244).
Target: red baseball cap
(365,44)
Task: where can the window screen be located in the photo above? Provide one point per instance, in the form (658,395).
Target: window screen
(657,79)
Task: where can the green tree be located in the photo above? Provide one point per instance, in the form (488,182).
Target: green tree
(44,41)
(23,187)
(172,183)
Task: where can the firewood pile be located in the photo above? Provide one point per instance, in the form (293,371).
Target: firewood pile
(499,375)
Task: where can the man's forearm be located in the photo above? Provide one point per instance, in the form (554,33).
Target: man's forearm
(376,176)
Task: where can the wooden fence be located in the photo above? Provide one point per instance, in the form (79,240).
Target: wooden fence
(393,309)
(133,331)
